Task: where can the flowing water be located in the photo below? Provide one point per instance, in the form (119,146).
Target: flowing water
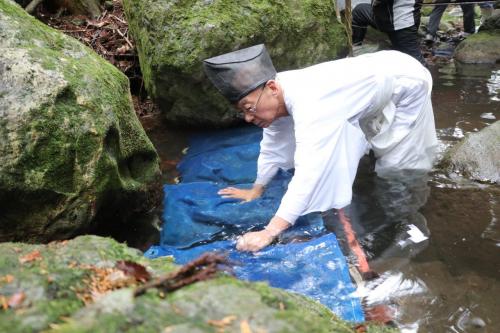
(434,241)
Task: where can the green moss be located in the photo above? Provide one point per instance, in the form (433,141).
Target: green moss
(62,147)
(174,37)
(52,305)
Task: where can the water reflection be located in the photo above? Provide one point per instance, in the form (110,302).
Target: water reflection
(449,282)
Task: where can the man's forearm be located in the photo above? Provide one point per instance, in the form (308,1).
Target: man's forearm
(276,226)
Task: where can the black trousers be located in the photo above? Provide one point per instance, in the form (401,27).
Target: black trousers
(405,40)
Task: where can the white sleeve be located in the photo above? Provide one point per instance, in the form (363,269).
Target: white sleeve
(326,161)
(276,149)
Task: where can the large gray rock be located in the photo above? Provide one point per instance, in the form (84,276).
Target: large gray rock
(477,156)
(483,47)
(72,151)
(173,37)
(50,282)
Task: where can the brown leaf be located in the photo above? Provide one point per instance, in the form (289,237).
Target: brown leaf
(32,256)
(7,278)
(3,302)
(245,327)
(361,328)
(136,270)
(16,300)
(223,322)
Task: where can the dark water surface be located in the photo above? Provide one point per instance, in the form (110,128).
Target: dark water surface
(434,241)
(449,282)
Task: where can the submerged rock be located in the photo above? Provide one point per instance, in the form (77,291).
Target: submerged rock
(483,47)
(73,155)
(173,37)
(56,278)
(477,156)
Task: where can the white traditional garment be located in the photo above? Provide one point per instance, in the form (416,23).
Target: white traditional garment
(337,111)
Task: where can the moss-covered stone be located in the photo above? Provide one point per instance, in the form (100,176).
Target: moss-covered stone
(480,48)
(72,151)
(54,281)
(173,37)
(477,156)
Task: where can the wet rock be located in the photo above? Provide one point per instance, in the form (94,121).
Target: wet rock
(173,37)
(482,47)
(73,155)
(56,281)
(477,156)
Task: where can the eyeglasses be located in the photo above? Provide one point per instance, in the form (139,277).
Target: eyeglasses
(252,109)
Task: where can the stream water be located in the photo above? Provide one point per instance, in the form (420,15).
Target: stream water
(445,276)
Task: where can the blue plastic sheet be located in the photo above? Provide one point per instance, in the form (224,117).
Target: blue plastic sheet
(315,268)
(194,213)
(306,260)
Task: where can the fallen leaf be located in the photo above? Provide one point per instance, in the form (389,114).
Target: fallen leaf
(16,300)
(226,321)
(7,278)
(361,328)
(136,270)
(32,256)
(4,303)
(245,327)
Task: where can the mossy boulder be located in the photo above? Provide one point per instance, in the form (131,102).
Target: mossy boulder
(482,47)
(173,37)
(73,155)
(54,281)
(492,23)
(477,156)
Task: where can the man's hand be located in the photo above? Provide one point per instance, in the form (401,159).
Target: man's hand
(243,194)
(254,241)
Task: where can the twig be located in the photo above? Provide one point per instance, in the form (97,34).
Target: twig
(124,37)
(30,8)
(119,19)
(203,268)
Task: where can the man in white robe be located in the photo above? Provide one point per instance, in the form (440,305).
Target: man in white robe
(321,120)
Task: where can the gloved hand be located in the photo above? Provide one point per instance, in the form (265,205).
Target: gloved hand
(243,194)
(254,241)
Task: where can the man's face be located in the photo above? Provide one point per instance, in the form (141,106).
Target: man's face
(260,107)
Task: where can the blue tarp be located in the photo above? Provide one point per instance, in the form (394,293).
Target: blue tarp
(306,260)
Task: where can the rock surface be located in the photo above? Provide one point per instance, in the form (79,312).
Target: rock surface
(53,279)
(477,156)
(173,37)
(483,47)
(73,155)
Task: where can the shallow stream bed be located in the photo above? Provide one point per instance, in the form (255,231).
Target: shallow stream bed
(447,278)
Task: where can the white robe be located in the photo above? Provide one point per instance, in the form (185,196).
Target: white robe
(338,110)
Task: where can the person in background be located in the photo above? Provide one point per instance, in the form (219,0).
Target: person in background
(321,120)
(399,19)
(435,19)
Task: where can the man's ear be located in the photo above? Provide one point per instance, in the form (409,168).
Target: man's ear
(273,85)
